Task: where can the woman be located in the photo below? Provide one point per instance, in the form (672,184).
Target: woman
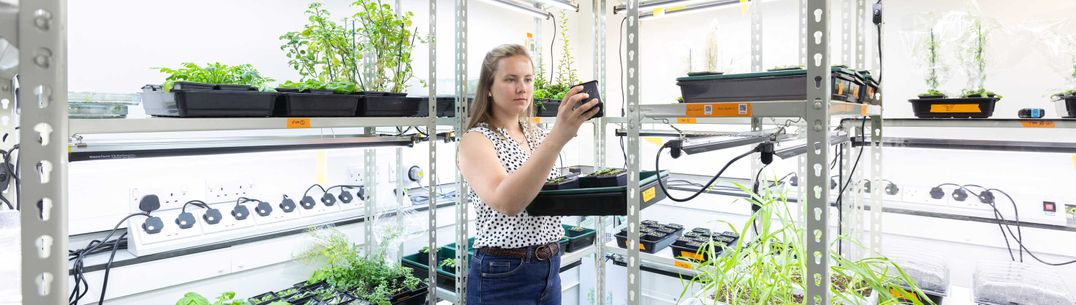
(505,160)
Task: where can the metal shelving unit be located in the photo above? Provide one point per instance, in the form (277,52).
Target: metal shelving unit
(817,110)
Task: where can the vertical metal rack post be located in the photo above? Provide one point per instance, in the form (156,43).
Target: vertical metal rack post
(43,106)
(462,203)
(431,132)
(599,12)
(634,118)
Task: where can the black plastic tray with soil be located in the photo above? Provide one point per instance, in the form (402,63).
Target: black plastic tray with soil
(549,110)
(562,183)
(411,297)
(201,102)
(1066,105)
(652,238)
(264,298)
(940,108)
(762,86)
(317,103)
(386,104)
(446,106)
(445,280)
(600,179)
(597,201)
(868,93)
(577,240)
(688,246)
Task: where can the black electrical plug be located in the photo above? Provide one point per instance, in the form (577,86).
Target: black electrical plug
(877,13)
(212,216)
(308,202)
(287,205)
(185,220)
(892,189)
(832,183)
(361,193)
(986,197)
(866,186)
(345,196)
(675,147)
(937,192)
(263,209)
(959,194)
(153,225)
(766,148)
(149,203)
(240,212)
(794,180)
(328,199)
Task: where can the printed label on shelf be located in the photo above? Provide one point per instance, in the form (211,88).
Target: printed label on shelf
(691,255)
(536,120)
(649,194)
(718,110)
(954,108)
(298,122)
(642,247)
(1038,124)
(863,110)
(682,264)
(686,120)
(840,89)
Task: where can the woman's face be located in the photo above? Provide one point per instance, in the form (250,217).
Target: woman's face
(513,85)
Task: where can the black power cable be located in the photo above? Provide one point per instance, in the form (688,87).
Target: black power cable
(78,257)
(657,167)
(1019,241)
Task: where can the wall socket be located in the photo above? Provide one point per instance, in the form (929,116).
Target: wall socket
(172,197)
(354,175)
(228,191)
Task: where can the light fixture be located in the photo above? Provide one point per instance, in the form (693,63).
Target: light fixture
(564,5)
(658,12)
(648,5)
(510,5)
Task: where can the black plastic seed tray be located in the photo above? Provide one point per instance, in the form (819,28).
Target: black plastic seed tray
(597,201)
(578,240)
(763,86)
(321,104)
(688,246)
(385,104)
(1066,106)
(591,181)
(413,297)
(206,102)
(446,106)
(652,238)
(868,94)
(935,108)
(446,280)
(547,111)
(264,298)
(570,182)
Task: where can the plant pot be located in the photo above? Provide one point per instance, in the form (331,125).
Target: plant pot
(979,107)
(411,297)
(423,258)
(1066,106)
(549,110)
(316,104)
(650,240)
(206,103)
(387,104)
(570,182)
(591,181)
(449,269)
(264,298)
(591,89)
(688,247)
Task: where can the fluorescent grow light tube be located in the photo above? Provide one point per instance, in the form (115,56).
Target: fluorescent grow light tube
(658,12)
(654,4)
(564,5)
(513,6)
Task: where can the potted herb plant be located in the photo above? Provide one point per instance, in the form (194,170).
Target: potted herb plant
(387,40)
(562,183)
(934,67)
(974,101)
(1066,100)
(548,93)
(776,259)
(325,56)
(423,257)
(606,177)
(448,265)
(213,90)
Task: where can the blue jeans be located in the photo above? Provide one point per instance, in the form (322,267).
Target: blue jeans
(513,280)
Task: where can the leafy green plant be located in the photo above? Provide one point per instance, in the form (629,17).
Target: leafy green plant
(566,75)
(226,298)
(558,180)
(449,263)
(607,172)
(286,292)
(215,73)
(341,87)
(323,50)
(387,37)
(786,67)
(933,65)
(262,299)
(772,268)
(975,61)
(426,249)
(344,268)
(577,229)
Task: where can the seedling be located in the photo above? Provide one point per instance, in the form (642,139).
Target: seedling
(448,264)
(606,172)
(976,62)
(933,67)
(557,180)
(215,73)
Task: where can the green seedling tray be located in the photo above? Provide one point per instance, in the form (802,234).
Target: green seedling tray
(576,243)
(597,201)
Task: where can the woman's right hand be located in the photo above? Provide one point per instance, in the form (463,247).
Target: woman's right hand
(570,118)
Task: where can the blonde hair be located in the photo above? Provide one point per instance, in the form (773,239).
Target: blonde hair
(482,108)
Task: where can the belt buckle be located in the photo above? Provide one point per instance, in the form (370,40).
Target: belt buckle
(547,249)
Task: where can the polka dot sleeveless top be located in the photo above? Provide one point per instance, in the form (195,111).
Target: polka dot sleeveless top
(496,229)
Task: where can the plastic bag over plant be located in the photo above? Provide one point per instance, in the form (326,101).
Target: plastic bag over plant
(1056,42)
(931,51)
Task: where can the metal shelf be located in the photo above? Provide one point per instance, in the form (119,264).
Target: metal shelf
(662,261)
(212,146)
(977,123)
(685,112)
(94,126)
(963,144)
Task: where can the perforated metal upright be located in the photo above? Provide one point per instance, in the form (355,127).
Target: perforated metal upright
(876,163)
(431,131)
(370,172)
(599,11)
(634,118)
(42,42)
(461,186)
(817,115)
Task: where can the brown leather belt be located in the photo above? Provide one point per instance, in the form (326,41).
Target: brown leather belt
(541,252)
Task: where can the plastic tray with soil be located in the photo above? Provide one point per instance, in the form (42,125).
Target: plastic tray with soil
(566,182)
(204,100)
(578,237)
(775,85)
(387,104)
(1066,105)
(652,238)
(606,177)
(264,298)
(597,201)
(868,94)
(689,246)
(446,280)
(446,105)
(316,103)
(942,107)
